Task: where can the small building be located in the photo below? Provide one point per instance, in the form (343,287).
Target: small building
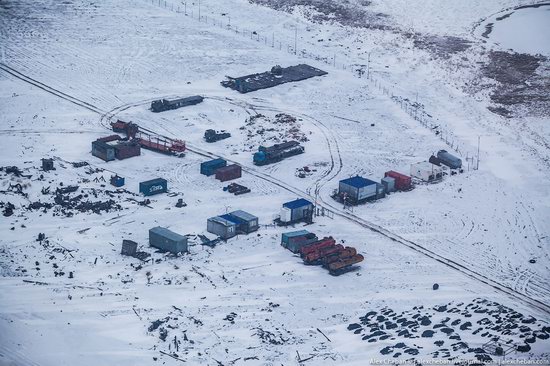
(295,240)
(117,181)
(153,186)
(47,165)
(229,172)
(426,172)
(129,248)
(127,149)
(164,239)
(389,184)
(297,210)
(246,223)
(103,150)
(357,189)
(380,191)
(402,182)
(209,167)
(222,227)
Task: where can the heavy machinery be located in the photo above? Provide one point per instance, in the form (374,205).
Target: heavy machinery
(277,152)
(323,243)
(148,139)
(213,136)
(317,256)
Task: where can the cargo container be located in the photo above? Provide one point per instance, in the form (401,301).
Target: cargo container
(426,172)
(127,149)
(117,181)
(357,189)
(209,167)
(154,186)
(222,227)
(167,240)
(229,172)
(129,248)
(297,210)
(389,184)
(246,223)
(402,182)
(103,150)
(295,240)
(448,159)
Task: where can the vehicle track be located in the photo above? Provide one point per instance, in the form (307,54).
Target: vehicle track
(481,278)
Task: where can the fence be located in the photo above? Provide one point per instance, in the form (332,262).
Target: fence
(414,109)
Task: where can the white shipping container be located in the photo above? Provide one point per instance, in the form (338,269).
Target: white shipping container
(286,214)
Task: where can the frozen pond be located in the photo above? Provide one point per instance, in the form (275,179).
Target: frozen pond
(524,30)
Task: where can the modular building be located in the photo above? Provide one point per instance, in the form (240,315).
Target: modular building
(127,149)
(209,167)
(297,210)
(103,150)
(246,223)
(154,186)
(222,227)
(229,172)
(357,189)
(426,172)
(129,248)
(402,182)
(164,239)
(389,184)
(295,240)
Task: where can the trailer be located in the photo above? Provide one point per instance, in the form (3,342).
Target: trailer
(426,172)
(161,144)
(277,152)
(449,160)
(162,105)
(166,240)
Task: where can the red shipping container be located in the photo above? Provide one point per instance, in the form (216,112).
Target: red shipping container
(402,181)
(229,172)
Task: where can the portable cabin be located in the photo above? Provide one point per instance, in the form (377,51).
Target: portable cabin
(222,227)
(297,210)
(103,150)
(389,184)
(209,167)
(426,172)
(47,165)
(127,149)
(295,240)
(246,223)
(357,189)
(229,172)
(164,239)
(117,181)
(153,186)
(129,248)
(402,182)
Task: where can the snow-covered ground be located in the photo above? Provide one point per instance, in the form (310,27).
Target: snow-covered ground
(249,301)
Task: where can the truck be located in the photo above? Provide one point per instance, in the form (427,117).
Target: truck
(277,152)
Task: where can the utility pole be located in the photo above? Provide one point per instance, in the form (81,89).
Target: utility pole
(295,38)
(368,65)
(478,142)
(199,10)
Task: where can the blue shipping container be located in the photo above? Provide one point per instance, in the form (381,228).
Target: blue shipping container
(209,167)
(153,186)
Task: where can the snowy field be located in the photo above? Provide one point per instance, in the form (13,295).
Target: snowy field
(70,299)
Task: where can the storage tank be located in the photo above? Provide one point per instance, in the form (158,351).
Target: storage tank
(448,159)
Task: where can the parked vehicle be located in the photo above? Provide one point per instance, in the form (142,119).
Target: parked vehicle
(277,152)
(165,104)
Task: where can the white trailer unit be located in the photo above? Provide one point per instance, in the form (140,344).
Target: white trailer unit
(426,171)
